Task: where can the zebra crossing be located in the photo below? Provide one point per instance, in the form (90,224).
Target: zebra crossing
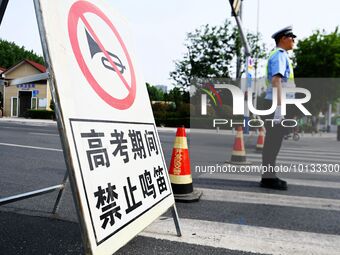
(296,221)
(234,216)
(247,238)
(290,155)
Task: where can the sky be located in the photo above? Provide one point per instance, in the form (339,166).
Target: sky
(159,27)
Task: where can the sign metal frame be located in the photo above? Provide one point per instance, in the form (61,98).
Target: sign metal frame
(64,139)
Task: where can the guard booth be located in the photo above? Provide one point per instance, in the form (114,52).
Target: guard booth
(19,98)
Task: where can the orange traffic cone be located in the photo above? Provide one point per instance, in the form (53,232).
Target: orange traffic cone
(260,140)
(238,156)
(180,173)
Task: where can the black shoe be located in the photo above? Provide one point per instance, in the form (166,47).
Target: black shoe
(273,183)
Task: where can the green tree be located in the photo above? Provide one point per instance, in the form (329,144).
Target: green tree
(155,94)
(210,53)
(10,54)
(259,50)
(175,95)
(318,56)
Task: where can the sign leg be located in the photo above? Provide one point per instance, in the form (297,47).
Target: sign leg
(60,193)
(176,220)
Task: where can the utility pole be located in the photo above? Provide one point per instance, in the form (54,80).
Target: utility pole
(236,9)
(257,41)
(239,59)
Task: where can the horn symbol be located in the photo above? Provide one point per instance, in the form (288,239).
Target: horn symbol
(94,49)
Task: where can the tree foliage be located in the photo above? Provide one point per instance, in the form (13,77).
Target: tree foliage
(155,94)
(175,95)
(178,96)
(259,50)
(170,109)
(10,54)
(318,56)
(212,52)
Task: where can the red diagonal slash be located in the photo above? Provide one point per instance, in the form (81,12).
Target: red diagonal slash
(96,39)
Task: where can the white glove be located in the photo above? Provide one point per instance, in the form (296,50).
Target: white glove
(277,115)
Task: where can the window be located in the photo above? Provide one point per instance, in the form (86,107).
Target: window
(14,106)
(42,103)
(34,103)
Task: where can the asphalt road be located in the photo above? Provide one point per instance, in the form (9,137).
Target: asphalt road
(234,216)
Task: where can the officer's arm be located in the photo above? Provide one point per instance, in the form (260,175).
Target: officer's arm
(276,83)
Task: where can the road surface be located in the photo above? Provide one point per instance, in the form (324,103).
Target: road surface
(234,215)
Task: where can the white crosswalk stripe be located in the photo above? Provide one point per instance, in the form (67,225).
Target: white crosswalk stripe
(284,159)
(270,199)
(291,149)
(295,155)
(256,178)
(260,239)
(246,238)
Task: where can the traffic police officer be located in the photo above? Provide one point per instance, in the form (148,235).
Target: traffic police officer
(279,75)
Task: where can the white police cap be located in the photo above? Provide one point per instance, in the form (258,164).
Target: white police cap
(284,32)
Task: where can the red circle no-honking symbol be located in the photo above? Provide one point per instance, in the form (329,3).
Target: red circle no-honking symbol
(109,60)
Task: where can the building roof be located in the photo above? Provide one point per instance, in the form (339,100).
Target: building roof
(2,69)
(36,65)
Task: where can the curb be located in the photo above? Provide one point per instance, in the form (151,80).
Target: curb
(28,121)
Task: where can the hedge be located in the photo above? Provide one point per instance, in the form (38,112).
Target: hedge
(40,114)
(173,122)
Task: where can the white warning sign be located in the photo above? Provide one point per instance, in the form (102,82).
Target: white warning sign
(126,163)
(115,159)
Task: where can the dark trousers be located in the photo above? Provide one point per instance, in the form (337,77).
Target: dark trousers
(273,141)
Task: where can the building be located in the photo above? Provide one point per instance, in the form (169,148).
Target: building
(163,88)
(17,99)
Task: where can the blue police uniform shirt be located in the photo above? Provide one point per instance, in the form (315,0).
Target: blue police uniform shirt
(279,64)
